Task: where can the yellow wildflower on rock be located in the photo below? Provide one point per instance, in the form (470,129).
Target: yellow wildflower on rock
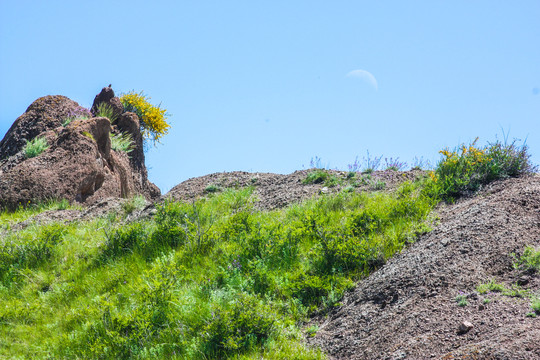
(153,124)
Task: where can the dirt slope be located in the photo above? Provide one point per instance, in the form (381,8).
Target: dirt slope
(407,309)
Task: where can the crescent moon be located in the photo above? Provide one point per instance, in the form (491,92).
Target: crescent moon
(365,76)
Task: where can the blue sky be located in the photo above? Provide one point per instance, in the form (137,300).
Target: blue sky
(266,86)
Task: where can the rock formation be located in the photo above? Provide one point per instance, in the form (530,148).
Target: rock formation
(79,164)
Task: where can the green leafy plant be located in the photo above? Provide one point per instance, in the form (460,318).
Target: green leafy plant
(212,188)
(461,300)
(530,260)
(122,142)
(317,176)
(35,147)
(136,202)
(153,118)
(535,305)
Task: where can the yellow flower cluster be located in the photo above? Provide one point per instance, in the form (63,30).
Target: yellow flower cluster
(152,117)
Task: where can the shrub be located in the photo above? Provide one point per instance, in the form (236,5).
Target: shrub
(244,324)
(152,117)
(35,147)
(530,260)
(317,176)
(122,142)
(469,167)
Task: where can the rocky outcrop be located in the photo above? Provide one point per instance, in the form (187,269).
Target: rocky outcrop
(79,164)
(106,96)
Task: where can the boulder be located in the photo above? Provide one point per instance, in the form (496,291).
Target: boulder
(79,164)
(46,113)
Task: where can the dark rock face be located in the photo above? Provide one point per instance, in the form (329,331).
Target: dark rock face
(79,164)
(46,113)
(107,96)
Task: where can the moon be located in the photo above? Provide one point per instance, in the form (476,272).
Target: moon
(365,76)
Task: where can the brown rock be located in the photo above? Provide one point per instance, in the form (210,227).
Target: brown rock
(79,164)
(46,113)
(107,96)
(465,327)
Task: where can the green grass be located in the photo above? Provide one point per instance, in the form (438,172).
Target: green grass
(105,110)
(35,147)
(210,279)
(213,278)
(122,142)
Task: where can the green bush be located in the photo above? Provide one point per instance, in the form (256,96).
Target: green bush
(468,168)
(239,326)
(530,260)
(317,176)
(28,249)
(35,147)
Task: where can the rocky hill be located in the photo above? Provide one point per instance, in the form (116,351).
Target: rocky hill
(456,292)
(408,308)
(76,161)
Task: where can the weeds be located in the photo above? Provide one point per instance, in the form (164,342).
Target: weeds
(122,142)
(35,147)
(106,110)
(530,260)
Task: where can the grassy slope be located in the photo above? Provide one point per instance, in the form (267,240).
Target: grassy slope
(210,279)
(216,278)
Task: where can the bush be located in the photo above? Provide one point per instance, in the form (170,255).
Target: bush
(317,176)
(152,117)
(35,147)
(467,168)
(530,260)
(238,327)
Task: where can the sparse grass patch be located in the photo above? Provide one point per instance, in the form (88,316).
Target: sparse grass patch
(122,142)
(105,110)
(35,147)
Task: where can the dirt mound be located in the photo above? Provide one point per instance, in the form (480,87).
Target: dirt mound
(277,191)
(79,164)
(408,309)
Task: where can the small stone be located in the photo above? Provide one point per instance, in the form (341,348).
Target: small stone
(465,327)
(444,242)
(324,190)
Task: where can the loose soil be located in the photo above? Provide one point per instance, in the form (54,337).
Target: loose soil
(408,309)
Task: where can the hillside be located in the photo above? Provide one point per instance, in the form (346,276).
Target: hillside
(408,309)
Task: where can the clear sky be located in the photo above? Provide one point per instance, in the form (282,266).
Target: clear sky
(267,85)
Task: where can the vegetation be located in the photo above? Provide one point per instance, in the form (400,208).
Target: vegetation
(530,260)
(153,118)
(35,147)
(467,168)
(215,278)
(122,142)
(106,110)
